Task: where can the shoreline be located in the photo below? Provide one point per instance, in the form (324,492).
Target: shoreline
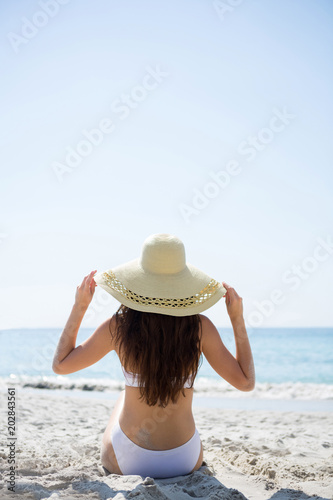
(199,400)
(203,386)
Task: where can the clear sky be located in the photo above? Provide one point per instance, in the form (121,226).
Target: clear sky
(215,124)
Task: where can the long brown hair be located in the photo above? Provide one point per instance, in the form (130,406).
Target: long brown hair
(164,350)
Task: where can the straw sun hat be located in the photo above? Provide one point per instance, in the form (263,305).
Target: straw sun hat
(160,280)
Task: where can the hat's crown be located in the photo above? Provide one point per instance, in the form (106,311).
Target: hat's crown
(163,254)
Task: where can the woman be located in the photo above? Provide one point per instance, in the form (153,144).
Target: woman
(159,335)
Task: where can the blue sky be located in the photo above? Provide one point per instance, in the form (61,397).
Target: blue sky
(243,94)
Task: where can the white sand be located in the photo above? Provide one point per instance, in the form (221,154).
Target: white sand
(250,454)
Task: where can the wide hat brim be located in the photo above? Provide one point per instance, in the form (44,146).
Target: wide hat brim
(188,292)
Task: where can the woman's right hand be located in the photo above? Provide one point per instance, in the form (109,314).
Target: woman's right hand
(233,302)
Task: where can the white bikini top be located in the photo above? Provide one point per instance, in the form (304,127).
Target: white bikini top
(132,379)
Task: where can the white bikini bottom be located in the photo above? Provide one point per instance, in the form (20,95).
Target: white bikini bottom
(133,459)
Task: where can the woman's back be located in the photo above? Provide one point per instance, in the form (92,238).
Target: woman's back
(156,426)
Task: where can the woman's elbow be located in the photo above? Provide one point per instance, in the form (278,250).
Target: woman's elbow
(249,385)
(57,369)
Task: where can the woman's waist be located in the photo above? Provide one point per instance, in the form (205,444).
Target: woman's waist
(154,427)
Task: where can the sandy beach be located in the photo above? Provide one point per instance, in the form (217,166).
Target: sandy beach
(251,454)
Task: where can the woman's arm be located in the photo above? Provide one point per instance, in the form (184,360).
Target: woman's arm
(67,340)
(244,357)
(243,352)
(68,358)
(239,370)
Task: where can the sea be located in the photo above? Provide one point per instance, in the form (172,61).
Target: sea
(294,369)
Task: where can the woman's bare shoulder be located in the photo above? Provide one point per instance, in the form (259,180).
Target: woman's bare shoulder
(207,328)
(206,322)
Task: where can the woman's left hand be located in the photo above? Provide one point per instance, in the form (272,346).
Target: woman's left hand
(85,291)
